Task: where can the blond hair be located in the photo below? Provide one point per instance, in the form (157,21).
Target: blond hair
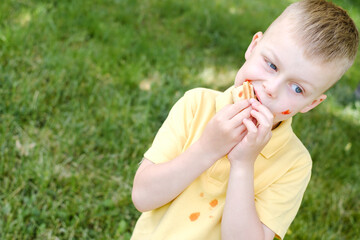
(325,30)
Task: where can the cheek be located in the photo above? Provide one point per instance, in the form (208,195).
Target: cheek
(238,78)
(255,72)
(250,70)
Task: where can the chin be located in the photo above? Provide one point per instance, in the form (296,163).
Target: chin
(279,117)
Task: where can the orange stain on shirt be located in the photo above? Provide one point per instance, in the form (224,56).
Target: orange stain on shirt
(240,94)
(202,194)
(214,203)
(194,216)
(286,112)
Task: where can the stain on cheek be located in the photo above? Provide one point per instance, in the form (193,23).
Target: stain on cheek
(214,203)
(287,112)
(194,216)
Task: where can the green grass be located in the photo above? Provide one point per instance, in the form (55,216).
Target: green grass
(85,85)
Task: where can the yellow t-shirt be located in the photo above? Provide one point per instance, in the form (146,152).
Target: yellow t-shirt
(282,172)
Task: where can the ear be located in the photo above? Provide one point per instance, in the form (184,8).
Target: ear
(256,38)
(316,102)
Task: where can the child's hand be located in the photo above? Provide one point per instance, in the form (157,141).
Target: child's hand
(256,137)
(225,129)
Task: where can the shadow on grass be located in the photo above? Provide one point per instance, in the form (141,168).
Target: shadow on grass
(89,83)
(331,197)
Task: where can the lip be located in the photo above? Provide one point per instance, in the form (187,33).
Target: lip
(257,96)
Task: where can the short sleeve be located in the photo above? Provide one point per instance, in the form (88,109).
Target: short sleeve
(278,205)
(172,135)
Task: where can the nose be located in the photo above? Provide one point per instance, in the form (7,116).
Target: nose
(270,88)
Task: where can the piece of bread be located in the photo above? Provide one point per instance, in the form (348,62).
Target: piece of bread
(245,91)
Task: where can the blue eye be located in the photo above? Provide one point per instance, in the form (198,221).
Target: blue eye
(272,65)
(296,88)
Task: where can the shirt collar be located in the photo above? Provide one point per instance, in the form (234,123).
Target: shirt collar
(280,135)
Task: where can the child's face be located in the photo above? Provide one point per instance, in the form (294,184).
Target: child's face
(284,80)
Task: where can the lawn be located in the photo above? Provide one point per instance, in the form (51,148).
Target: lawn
(86,84)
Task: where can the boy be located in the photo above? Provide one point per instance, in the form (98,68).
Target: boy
(224,170)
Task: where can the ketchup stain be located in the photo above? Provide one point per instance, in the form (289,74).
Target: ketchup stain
(194,216)
(214,203)
(286,112)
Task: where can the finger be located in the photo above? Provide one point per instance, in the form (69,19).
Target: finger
(261,108)
(264,111)
(236,108)
(250,126)
(251,129)
(240,132)
(237,120)
(264,124)
(242,129)
(242,135)
(261,119)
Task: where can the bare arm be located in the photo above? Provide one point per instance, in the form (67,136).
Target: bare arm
(240,219)
(157,184)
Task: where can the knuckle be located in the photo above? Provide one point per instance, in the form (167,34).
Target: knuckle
(271,118)
(227,129)
(253,131)
(217,120)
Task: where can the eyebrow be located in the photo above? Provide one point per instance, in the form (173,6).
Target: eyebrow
(272,55)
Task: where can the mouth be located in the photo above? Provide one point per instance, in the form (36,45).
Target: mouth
(254,90)
(256,95)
